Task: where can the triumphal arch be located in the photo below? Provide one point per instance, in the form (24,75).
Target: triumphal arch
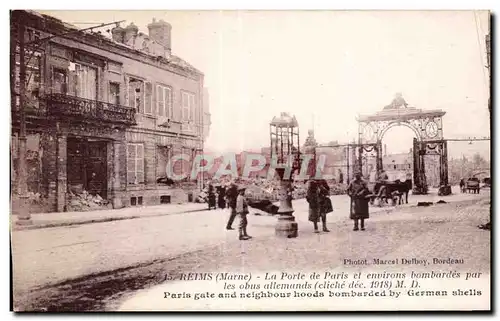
(428,128)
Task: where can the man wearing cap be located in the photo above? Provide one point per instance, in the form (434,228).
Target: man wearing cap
(242,210)
(359,194)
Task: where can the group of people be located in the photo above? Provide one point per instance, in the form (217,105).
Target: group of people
(216,197)
(317,196)
(320,203)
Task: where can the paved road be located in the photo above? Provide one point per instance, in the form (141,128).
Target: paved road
(51,255)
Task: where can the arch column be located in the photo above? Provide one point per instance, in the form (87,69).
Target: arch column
(379,155)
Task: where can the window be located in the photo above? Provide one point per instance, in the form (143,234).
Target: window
(135,164)
(33,63)
(59,81)
(164,101)
(188,109)
(114,93)
(85,81)
(136,94)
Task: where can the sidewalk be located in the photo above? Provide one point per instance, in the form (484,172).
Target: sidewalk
(45,220)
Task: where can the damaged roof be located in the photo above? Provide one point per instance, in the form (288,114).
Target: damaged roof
(171,60)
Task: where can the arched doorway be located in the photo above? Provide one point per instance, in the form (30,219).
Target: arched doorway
(428,129)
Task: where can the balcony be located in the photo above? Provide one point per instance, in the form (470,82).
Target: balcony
(60,105)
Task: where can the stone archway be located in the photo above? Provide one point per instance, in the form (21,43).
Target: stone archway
(428,129)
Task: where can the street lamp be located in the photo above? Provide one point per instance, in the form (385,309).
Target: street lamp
(284,132)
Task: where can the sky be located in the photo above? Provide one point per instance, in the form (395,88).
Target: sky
(327,67)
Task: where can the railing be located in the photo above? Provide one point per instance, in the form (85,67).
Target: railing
(65,105)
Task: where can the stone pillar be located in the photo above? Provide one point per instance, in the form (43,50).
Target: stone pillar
(360,160)
(118,147)
(378,165)
(62,180)
(49,169)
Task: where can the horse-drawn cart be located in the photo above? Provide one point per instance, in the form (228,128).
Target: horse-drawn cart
(390,192)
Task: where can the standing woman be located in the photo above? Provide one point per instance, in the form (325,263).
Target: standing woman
(314,204)
(359,193)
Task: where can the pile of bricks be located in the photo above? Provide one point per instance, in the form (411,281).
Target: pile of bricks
(81,202)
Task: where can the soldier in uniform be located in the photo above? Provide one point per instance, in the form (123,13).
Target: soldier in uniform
(242,210)
(359,198)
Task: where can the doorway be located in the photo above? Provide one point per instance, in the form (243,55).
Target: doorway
(87,166)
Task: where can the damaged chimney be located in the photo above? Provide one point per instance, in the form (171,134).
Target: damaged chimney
(160,31)
(118,34)
(131,31)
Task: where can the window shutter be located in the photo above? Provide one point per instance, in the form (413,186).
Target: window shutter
(183,106)
(192,107)
(127,92)
(131,152)
(148,103)
(140,163)
(168,101)
(160,101)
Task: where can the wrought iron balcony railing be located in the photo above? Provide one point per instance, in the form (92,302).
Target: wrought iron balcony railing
(86,109)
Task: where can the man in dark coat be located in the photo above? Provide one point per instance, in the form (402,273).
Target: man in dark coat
(232,195)
(359,198)
(221,197)
(211,197)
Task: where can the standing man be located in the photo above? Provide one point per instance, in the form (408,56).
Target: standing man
(231,194)
(341,177)
(221,197)
(242,210)
(359,193)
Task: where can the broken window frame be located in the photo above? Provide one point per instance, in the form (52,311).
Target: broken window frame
(139,107)
(34,68)
(114,97)
(84,86)
(64,86)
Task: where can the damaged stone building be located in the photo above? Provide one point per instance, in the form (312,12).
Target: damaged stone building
(104,114)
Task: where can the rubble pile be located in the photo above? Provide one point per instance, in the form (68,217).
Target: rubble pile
(84,201)
(338,189)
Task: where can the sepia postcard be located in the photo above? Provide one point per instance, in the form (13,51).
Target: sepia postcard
(245,160)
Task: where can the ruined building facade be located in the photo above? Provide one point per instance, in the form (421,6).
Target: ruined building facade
(105,114)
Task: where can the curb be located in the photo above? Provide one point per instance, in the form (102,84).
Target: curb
(97,220)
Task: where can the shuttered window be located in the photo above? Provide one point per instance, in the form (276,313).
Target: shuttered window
(135,164)
(188,109)
(164,101)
